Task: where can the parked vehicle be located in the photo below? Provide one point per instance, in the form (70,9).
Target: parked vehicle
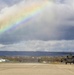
(68,59)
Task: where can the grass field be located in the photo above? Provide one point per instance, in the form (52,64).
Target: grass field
(35,69)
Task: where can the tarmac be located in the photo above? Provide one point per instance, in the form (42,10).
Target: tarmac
(36,69)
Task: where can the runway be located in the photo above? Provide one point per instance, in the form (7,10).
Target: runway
(35,69)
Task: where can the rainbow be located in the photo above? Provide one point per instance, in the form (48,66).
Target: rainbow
(20,18)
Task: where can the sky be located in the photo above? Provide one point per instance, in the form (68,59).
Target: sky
(37,25)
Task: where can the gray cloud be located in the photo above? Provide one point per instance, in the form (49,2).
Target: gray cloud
(55,22)
(5,3)
(38,45)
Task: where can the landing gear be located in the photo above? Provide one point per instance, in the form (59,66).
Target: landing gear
(65,62)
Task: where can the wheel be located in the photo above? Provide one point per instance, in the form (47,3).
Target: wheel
(65,62)
(70,63)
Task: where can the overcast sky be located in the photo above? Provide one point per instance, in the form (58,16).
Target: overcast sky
(51,30)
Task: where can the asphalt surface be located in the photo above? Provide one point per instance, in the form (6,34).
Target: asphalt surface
(36,69)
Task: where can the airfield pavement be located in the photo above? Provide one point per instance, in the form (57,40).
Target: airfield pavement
(36,69)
